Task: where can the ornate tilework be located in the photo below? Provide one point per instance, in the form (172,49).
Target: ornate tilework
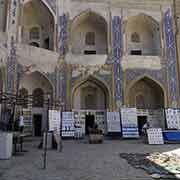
(117,45)
(62,85)
(171,58)
(52,4)
(11,61)
(63,34)
(132,74)
(20,74)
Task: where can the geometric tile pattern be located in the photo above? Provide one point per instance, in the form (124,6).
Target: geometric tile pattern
(159,75)
(11,61)
(171,58)
(63,34)
(62,47)
(116,52)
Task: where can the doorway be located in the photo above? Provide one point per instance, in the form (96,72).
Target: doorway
(141,121)
(89,122)
(37,122)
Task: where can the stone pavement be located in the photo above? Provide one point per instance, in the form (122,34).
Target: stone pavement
(79,161)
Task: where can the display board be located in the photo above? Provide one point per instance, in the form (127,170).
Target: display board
(28,126)
(113,122)
(54,120)
(68,124)
(79,118)
(173,118)
(155,136)
(100,120)
(129,123)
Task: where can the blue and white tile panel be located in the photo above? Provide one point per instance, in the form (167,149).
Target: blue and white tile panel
(11,61)
(63,34)
(117,45)
(62,85)
(171,58)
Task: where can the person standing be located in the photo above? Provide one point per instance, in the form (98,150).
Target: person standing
(21,123)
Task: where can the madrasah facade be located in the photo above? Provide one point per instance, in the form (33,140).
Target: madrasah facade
(92,56)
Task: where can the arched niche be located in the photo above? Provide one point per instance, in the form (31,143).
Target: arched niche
(36,80)
(36,15)
(146,30)
(146,94)
(89,27)
(90,94)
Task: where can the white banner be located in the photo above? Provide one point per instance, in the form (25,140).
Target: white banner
(129,123)
(68,124)
(54,120)
(113,122)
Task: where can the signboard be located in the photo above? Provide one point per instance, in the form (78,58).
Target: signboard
(68,124)
(54,120)
(173,118)
(155,136)
(27,115)
(79,118)
(129,123)
(113,122)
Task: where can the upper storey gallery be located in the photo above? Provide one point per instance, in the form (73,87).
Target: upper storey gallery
(90,25)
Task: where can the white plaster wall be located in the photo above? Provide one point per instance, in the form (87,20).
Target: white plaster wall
(39,59)
(141,62)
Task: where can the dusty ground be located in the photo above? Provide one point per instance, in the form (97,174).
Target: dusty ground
(79,161)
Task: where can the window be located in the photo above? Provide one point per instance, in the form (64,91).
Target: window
(89,52)
(38,97)
(90,39)
(34,33)
(136,52)
(135,37)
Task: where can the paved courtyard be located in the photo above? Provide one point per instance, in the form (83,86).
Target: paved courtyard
(79,161)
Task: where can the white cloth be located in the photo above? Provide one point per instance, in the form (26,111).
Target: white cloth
(21,121)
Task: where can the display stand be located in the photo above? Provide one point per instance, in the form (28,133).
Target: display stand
(6,141)
(155,136)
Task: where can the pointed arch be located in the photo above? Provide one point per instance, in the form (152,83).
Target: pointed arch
(146,78)
(89,22)
(96,81)
(148,29)
(46,4)
(84,14)
(35,76)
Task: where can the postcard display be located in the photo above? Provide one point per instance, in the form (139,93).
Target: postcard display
(129,123)
(173,118)
(79,118)
(113,122)
(54,120)
(27,114)
(155,136)
(68,124)
(100,120)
